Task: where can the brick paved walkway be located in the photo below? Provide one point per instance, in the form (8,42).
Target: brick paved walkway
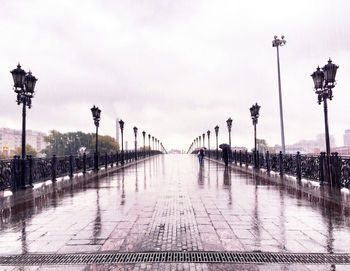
(170,203)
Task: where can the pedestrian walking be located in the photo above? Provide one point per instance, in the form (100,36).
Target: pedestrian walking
(200,156)
(226,151)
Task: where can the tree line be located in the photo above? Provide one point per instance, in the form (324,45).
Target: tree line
(76,143)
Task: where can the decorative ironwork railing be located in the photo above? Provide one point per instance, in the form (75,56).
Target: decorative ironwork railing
(311,167)
(19,173)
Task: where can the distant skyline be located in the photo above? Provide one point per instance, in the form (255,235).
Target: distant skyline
(175,69)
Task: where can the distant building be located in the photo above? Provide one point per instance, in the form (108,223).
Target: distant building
(11,139)
(344,150)
(174,151)
(309,146)
(243,149)
(347,138)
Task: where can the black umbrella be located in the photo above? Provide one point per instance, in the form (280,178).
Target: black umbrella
(224,146)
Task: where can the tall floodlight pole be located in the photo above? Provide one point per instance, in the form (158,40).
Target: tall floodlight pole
(254,113)
(324,82)
(277,43)
(121,125)
(96,115)
(217,142)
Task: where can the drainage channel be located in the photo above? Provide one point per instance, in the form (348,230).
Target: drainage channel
(175,257)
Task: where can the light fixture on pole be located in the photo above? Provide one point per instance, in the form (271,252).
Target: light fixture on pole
(24,85)
(217,142)
(277,43)
(254,113)
(121,125)
(135,134)
(229,126)
(96,115)
(324,81)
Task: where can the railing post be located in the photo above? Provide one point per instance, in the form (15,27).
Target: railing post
(240,157)
(16,172)
(298,162)
(54,168)
(322,166)
(281,163)
(267,158)
(70,166)
(246,158)
(30,158)
(106,161)
(336,169)
(84,163)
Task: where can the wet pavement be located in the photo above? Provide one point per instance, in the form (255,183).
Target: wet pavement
(169,203)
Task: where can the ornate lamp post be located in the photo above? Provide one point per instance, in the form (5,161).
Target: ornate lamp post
(254,113)
(324,81)
(153,143)
(277,43)
(121,125)
(149,144)
(217,142)
(208,133)
(229,126)
(24,85)
(203,136)
(135,134)
(96,115)
(144,144)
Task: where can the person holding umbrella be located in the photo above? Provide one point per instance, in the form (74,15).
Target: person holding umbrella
(200,156)
(226,151)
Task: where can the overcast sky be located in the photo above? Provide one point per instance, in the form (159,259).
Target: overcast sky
(176,68)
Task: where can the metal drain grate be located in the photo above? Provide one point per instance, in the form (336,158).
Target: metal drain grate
(171,257)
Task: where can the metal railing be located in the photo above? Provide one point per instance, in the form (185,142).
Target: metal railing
(311,167)
(20,173)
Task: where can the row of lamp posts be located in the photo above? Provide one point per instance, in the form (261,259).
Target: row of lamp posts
(24,85)
(96,114)
(324,82)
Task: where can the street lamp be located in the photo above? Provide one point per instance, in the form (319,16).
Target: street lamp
(121,125)
(254,113)
(24,85)
(96,115)
(277,43)
(135,133)
(217,142)
(203,136)
(229,126)
(153,143)
(208,133)
(324,81)
(144,142)
(149,145)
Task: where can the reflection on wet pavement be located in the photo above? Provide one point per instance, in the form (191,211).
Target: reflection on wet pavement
(171,203)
